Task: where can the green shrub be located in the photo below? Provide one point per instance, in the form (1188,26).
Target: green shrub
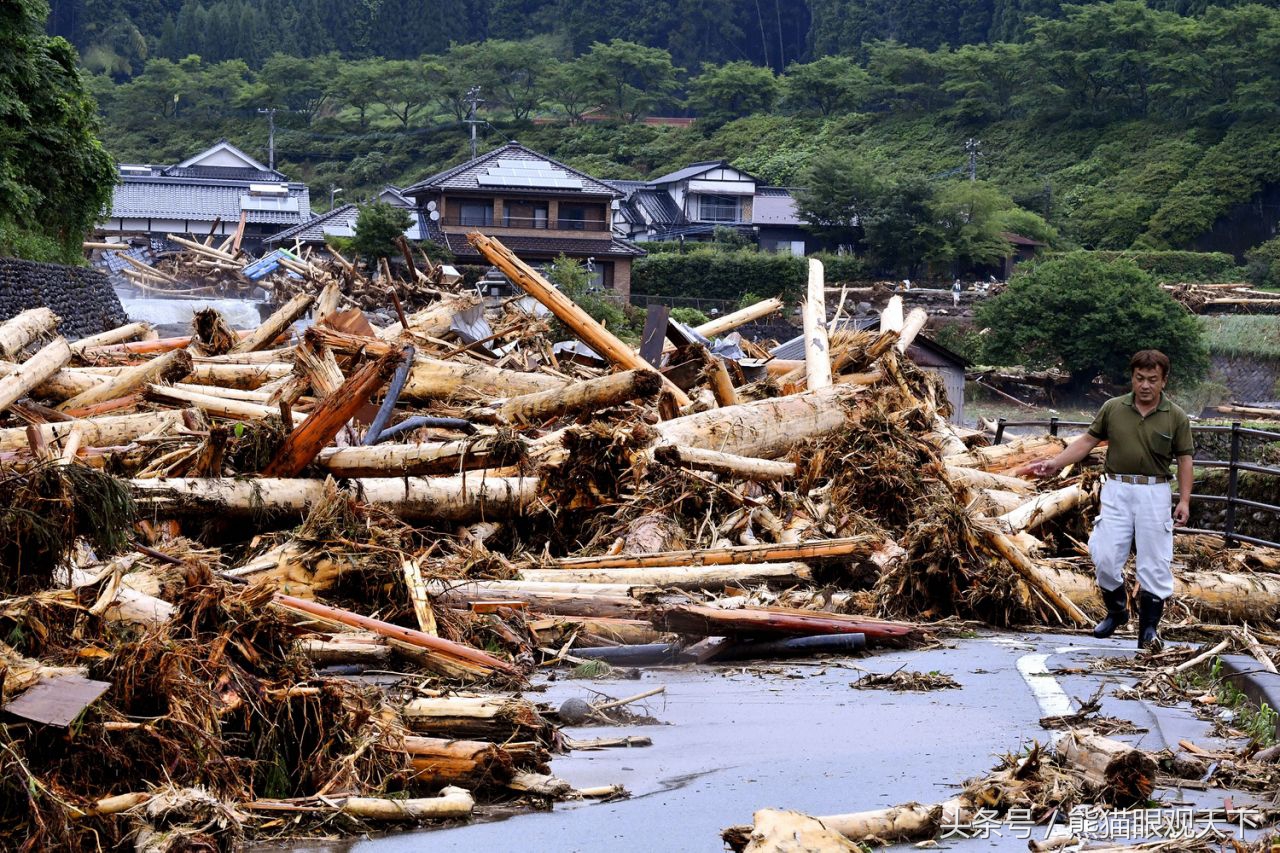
(711,274)
(689,316)
(1263,267)
(1171,266)
(1090,315)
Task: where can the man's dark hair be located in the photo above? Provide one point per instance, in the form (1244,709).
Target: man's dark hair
(1149,358)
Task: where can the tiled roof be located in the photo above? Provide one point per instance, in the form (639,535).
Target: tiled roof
(224,173)
(573,246)
(690,171)
(775,206)
(199,201)
(339,222)
(463,176)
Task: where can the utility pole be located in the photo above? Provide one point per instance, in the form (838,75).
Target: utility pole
(270,113)
(473,101)
(974,147)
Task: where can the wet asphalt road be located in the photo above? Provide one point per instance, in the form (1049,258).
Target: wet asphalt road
(737,738)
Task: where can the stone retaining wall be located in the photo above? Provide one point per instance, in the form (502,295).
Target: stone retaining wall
(1251,380)
(81,297)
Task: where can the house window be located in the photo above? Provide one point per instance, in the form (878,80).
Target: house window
(475,212)
(581,217)
(718,208)
(524,214)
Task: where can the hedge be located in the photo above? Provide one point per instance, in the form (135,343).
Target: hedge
(1174,266)
(712,274)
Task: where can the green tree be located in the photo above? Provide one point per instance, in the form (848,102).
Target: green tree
(357,86)
(1089,316)
(972,217)
(303,86)
(839,193)
(722,93)
(377,227)
(900,229)
(829,85)
(630,79)
(568,87)
(55,176)
(404,87)
(513,73)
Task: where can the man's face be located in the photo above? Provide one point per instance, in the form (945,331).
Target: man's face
(1148,382)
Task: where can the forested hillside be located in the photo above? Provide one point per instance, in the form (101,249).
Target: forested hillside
(1123,124)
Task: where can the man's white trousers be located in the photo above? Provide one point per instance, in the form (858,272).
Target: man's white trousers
(1134,512)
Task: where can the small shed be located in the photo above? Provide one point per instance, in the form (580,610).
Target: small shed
(924,352)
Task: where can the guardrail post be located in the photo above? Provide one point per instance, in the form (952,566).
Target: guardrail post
(1233,476)
(999,431)
(1053,426)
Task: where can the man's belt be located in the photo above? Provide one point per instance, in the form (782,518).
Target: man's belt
(1138,479)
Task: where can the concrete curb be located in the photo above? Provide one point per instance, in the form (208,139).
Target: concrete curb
(1252,680)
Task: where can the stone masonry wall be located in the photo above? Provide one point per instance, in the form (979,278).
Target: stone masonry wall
(81,297)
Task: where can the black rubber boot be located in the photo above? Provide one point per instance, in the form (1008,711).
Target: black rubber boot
(1150,609)
(1117,601)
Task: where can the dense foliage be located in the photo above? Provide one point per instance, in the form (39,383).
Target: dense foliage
(55,175)
(1089,315)
(1118,125)
(729,275)
(377,227)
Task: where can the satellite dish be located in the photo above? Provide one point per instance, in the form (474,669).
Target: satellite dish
(431,205)
(435,215)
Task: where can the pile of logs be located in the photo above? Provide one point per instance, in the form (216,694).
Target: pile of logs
(200,268)
(1229,298)
(402,498)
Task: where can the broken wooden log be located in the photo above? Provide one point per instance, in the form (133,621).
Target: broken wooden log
(817,347)
(702,621)
(452,804)
(494,717)
(413,459)
(589,396)
(1006,458)
(275,325)
(432,379)
(862,546)
(1126,775)
(35,370)
(127,332)
(463,498)
(682,577)
(169,367)
(566,310)
(304,442)
(1042,508)
(19,331)
(473,763)
(110,431)
(765,429)
(741,467)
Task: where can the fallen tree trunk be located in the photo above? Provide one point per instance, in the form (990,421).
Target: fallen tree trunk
(449,498)
(434,321)
(473,763)
(1041,508)
(712,622)
(765,429)
(567,311)
(127,332)
(244,376)
(1221,597)
(863,546)
(17,332)
(445,656)
(683,577)
(169,367)
(592,604)
(45,363)
(212,404)
(589,396)
(452,804)
(1126,775)
(628,632)
(1003,458)
(110,431)
(329,417)
(742,467)
(409,460)
(494,717)
(263,336)
(432,379)
(978,479)
(817,347)
(1033,574)
(367,649)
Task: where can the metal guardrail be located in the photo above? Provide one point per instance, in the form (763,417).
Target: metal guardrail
(1234,466)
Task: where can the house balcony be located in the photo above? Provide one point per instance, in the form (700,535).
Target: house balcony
(517,223)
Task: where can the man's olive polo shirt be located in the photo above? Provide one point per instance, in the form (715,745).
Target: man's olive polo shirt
(1138,445)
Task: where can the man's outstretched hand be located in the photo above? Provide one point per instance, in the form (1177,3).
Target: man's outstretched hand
(1042,468)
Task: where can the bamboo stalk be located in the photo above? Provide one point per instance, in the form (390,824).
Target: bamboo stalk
(583,325)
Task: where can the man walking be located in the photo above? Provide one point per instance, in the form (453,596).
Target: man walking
(1145,433)
(955,293)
